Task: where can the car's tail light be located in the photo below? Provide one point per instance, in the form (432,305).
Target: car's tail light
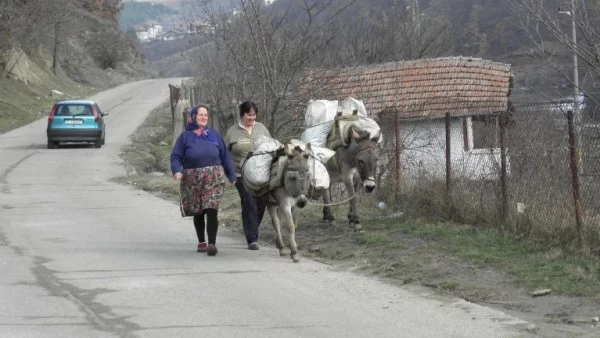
(52,112)
(96,115)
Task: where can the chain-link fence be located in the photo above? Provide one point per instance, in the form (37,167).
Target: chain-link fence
(519,171)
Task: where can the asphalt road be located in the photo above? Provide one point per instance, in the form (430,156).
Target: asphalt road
(83,257)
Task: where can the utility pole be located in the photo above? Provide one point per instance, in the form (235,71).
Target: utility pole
(576,93)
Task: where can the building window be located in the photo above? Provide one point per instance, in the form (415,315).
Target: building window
(485,131)
(481,132)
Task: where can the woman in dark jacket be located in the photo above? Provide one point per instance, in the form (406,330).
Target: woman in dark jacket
(200,161)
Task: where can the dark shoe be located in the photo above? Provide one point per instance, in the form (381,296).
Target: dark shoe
(201,247)
(211,250)
(253,246)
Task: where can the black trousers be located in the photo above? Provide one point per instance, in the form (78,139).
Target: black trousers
(253,210)
(211,225)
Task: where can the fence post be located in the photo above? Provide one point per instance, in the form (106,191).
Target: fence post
(179,112)
(171,93)
(193,99)
(398,157)
(448,167)
(575,180)
(503,169)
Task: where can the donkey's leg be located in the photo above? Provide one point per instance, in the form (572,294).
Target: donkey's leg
(295,214)
(357,187)
(272,209)
(285,215)
(348,182)
(353,186)
(327,214)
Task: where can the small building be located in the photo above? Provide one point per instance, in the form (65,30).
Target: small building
(148,31)
(142,33)
(411,98)
(173,34)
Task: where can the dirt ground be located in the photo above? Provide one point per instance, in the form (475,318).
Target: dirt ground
(401,257)
(404,259)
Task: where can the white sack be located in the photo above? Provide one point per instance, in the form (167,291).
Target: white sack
(322,154)
(348,105)
(319,174)
(320,111)
(372,127)
(318,171)
(266,144)
(361,124)
(317,135)
(256,169)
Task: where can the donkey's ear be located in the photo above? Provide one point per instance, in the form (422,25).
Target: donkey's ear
(288,151)
(355,135)
(307,151)
(376,137)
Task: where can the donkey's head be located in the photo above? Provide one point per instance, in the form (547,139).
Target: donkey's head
(296,175)
(365,151)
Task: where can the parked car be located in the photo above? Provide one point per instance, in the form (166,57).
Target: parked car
(76,121)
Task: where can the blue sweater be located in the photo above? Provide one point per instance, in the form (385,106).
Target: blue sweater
(198,151)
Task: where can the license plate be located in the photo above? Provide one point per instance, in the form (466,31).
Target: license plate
(73,121)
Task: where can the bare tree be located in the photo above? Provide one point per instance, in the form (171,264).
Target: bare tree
(59,19)
(391,33)
(266,48)
(555,26)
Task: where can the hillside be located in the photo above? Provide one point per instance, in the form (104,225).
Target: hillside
(390,30)
(134,13)
(71,46)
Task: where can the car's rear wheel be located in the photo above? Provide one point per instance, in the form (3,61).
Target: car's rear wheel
(98,144)
(104,139)
(51,144)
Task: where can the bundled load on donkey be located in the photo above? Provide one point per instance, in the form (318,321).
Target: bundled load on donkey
(318,121)
(345,128)
(328,122)
(262,171)
(259,171)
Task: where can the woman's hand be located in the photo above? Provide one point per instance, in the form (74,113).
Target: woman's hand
(177,176)
(231,183)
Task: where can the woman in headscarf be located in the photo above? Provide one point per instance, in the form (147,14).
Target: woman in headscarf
(201,162)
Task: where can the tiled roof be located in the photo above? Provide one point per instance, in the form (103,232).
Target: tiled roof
(417,89)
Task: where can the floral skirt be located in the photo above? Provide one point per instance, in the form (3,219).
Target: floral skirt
(201,188)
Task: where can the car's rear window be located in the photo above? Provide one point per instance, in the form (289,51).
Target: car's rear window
(74,110)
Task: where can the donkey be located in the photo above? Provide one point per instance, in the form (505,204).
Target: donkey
(286,200)
(352,164)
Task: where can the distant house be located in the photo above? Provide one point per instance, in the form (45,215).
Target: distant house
(415,96)
(173,34)
(154,29)
(201,26)
(142,33)
(148,31)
